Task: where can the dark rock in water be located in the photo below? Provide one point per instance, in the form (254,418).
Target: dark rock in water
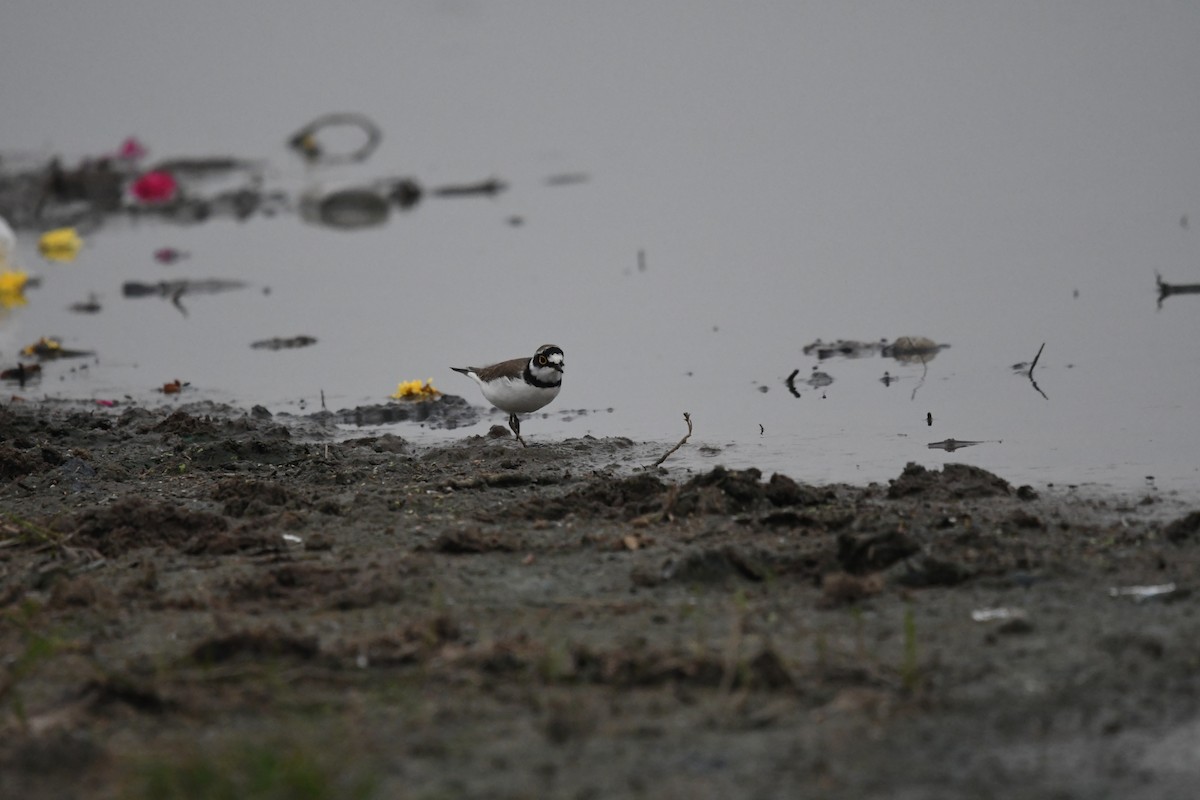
(956,481)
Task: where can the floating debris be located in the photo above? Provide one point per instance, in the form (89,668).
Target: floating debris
(22,373)
(169,255)
(305,141)
(12,288)
(155,187)
(203,167)
(175,290)
(89,306)
(51,195)
(416,390)
(906,349)
(60,244)
(490,187)
(818,380)
(950,445)
(131,150)
(567,179)
(1165,290)
(912,349)
(1139,594)
(279,343)
(405,192)
(346,209)
(56,192)
(48,348)
(843,347)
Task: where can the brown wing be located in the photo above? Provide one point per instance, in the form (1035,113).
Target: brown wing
(505,369)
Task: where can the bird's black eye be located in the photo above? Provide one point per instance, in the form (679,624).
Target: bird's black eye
(541,361)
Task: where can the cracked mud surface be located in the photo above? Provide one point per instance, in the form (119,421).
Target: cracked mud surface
(208,603)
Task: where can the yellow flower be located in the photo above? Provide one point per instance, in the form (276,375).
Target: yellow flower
(415,390)
(12,288)
(42,347)
(60,244)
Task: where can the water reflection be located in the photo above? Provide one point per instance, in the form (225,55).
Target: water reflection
(200,189)
(812,206)
(176,290)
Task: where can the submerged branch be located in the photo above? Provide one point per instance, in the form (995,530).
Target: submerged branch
(1034,364)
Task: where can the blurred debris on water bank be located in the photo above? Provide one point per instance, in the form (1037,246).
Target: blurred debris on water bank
(40,193)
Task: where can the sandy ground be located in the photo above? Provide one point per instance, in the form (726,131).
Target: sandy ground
(208,603)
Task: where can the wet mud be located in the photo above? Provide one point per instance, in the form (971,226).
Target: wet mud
(204,602)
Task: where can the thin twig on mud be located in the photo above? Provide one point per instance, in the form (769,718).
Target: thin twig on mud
(688,419)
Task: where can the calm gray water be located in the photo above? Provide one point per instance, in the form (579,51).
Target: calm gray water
(991,176)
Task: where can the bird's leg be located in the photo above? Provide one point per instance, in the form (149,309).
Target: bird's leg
(515,424)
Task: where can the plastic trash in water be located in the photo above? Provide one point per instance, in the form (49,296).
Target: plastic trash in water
(1000,614)
(131,150)
(308,140)
(169,255)
(1142,593)
(12,287)
(346,209)
(155,187)
(60,244)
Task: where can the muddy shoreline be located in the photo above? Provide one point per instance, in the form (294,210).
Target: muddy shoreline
(209,602)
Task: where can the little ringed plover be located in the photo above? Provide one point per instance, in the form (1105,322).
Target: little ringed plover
(520,385)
